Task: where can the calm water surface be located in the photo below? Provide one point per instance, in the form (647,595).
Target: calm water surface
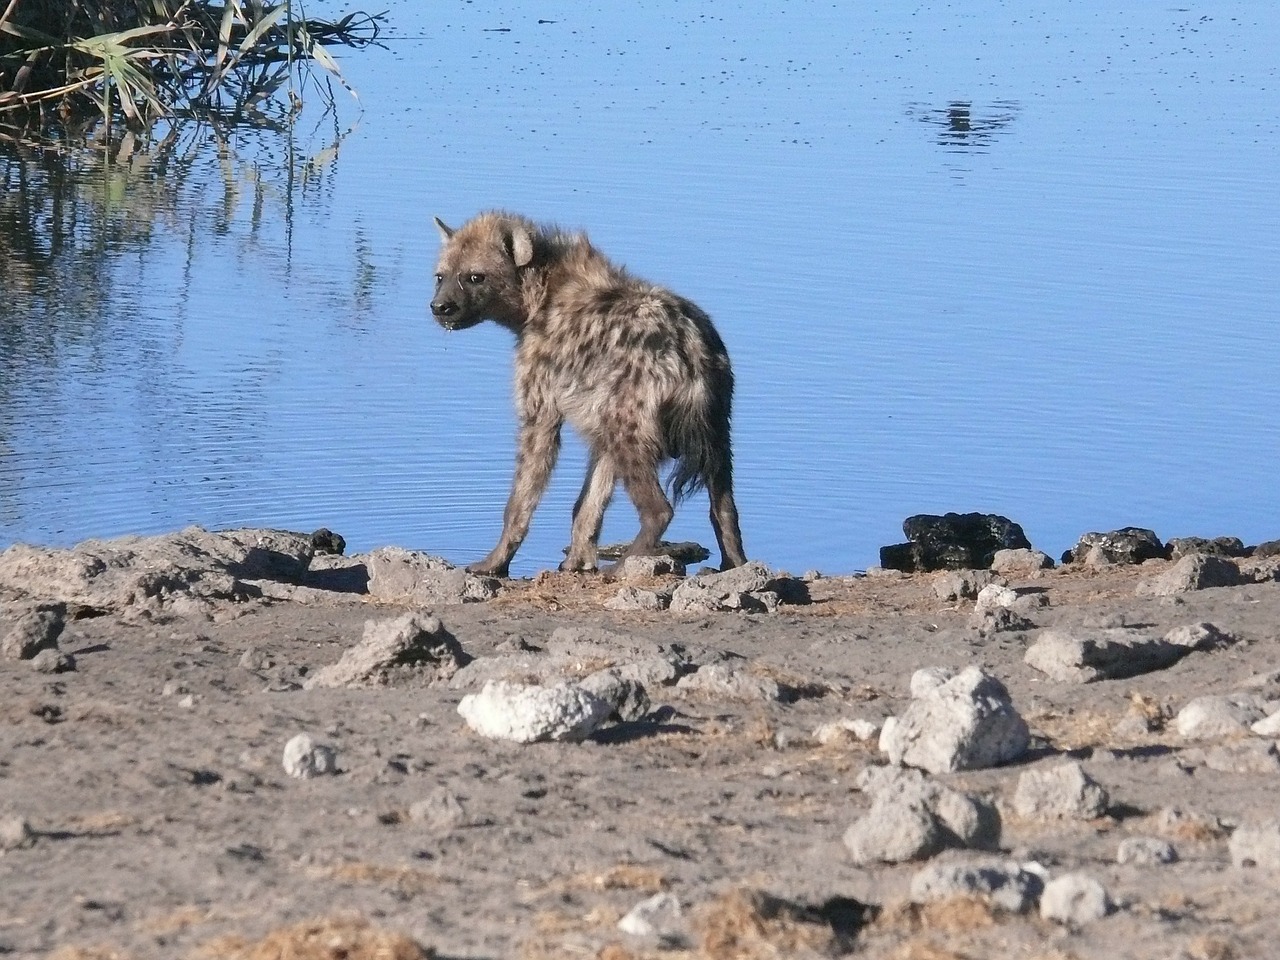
(990,256)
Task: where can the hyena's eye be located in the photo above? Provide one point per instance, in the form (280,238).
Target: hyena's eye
(475,279)
(439,279)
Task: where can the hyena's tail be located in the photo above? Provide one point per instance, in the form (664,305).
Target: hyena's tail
(696,432)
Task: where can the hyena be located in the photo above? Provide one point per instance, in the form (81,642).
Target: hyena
(638,371)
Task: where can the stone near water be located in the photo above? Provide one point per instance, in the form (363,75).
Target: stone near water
(1191,573)
(953,541)
(1128,545)
(410,576)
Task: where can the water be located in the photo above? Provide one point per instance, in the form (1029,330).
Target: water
(986,256)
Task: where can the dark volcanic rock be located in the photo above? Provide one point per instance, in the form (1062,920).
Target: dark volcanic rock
(1180,547)
(1270,548)
(686,551)
(325,540)
(955,541)
(1128,545)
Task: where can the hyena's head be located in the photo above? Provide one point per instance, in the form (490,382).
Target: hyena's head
(478,274)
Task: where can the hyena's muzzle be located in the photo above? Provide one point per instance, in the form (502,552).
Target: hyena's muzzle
(452,304)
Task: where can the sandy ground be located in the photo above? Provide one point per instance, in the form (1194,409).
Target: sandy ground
(163,824)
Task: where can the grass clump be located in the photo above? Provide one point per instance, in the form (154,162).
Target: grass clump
(139,60)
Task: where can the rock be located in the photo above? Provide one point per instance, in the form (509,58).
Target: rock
(993,597)
(839,731)
(1220,716)
(596,645)
(954,541)
(1269,548)
(721,681)
(1126,546)
(1083,656)
(51,660)
(657,918)
(743,588)
(1074,899)
(1260,569)
(684,551)
(1248,756)
(1063,792)
(409,576)
(1000,620)
(962,584)
(440,810)
(304,758)
(1146,851)
(967,723)
(415,646)
(15,833)
(1002,883)
(1269,726)
(156,573)
(1196,572)
(652,672)
(325,541)
(1256,845)
(926,680)
(527,713)
(628,698)
(1022,562)
(913,817)
(1180,547)
(646,568)
(634,598)
(34,630)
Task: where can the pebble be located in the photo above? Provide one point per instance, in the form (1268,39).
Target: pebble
(1146,851)
(304,758)
(659,917)
(1075,900)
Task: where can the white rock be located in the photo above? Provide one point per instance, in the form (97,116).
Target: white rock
(526,713)
(660,916)
(1268,726)
(1074,900)
(304,758)
(1003,883)
(840,730)
(720,680)
(15,832)
(1256,845)
(1146,851)
(1063,792)
(1220,716)
(1021,562)
(928,679)
(967,723)
(994,595)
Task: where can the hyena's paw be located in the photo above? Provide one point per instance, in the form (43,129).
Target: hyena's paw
(577,565)
(488,568)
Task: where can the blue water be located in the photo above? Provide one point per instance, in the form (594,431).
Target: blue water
(1006,257)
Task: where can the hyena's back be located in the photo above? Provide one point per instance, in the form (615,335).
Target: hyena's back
(637,369)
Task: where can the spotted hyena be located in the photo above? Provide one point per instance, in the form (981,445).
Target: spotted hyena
(638,371)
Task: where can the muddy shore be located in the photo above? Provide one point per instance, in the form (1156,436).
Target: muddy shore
(145,811)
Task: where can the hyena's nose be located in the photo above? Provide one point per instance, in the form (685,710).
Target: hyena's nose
(443,308)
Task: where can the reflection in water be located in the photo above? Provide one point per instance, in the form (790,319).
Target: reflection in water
(103,377)
(964,129)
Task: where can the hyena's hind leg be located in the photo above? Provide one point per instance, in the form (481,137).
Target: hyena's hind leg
(640,477)
(588,514)
(724,518)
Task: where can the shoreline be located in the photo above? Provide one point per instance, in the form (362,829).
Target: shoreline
(147,813)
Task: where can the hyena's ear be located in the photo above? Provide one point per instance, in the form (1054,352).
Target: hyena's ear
(446,231)
(521,246)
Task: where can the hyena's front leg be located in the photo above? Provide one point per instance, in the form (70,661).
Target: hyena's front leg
(588,514)
(539,446)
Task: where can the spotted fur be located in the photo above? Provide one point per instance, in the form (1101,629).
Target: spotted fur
(638,371)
